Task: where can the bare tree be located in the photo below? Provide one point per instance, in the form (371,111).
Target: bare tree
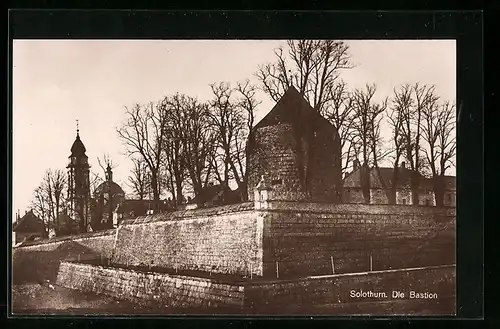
(438,131)
(112,198)
(400,104)
(313,66)
(340,112)
(366,133)
(49,198)
(411,132)
(248,102)
(143,134)
(228,123)
(197,141)
(376,115)
(106,163)
(175,155)
(96,201)
(139,178)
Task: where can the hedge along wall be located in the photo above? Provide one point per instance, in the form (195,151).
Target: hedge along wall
(154,289)
(221,239)
(302,239)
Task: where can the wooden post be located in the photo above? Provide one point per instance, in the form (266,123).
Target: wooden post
(371,263)
(333,265)
(277,270)
(251,274)
(78,257)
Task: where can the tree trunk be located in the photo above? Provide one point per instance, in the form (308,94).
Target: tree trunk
(439,190)
(156,193)
(178,189)
(365,182)
(415,184)
(394,186)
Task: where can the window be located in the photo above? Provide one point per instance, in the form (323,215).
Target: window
(277,181)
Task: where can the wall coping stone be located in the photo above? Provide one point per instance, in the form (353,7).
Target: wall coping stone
(191,213)
(344,208)
(58,239)
(158,274)
(258,281)
(334,276)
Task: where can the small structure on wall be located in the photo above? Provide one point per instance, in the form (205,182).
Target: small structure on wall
(297,150)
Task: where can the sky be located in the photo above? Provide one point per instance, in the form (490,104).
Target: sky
(56,82)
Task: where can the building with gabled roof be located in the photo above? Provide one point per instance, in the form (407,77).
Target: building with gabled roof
(353,193)
(28,228)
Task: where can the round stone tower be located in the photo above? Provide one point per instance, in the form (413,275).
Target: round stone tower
(275,158)
(296,151)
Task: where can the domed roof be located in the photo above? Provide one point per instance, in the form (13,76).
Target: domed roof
(104,188)
(78,148)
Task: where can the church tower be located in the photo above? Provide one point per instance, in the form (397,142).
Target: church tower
(79,186)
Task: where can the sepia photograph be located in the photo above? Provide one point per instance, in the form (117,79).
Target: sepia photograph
(234,177)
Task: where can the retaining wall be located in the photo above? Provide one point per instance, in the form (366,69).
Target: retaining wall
(286,239)
(333,295)
(101,242)
(305,239)
(359,293)
(222,239)
(38,261)
(154,289)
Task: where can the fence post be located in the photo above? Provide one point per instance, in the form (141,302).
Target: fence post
(371,263)
(333,265)
(277,270)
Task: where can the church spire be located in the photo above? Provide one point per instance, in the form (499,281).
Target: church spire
(77,129)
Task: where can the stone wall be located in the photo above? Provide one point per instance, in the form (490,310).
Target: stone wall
(274,154)
(343,294)
(333,294)
(101,242)
(287,239)
(303,239)
(221,239)
(39,260)
(153,289)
